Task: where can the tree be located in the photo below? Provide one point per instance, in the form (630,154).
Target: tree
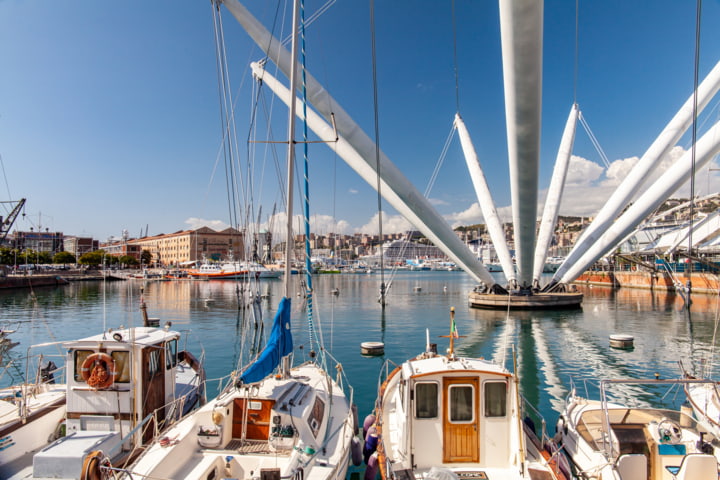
(92,258)
(146,257)
(128,260)
(64,258)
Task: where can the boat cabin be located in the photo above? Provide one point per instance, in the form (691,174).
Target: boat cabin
(121,387)
(453,412)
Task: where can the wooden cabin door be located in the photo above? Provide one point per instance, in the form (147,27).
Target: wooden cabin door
(153,386)
(460,420)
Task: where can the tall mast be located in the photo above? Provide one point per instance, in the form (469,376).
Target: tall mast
(291,149)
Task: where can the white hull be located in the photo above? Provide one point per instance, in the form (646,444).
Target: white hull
(457,414)
(302,425)
(44,412)
(640,443)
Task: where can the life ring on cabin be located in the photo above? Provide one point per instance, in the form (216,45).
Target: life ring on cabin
(98,371)
(92,466)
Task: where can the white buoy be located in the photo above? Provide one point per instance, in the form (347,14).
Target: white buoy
(372,348)
(621,340)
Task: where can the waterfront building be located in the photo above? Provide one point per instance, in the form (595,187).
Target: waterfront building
(190,246)
(79,245)
(39,241)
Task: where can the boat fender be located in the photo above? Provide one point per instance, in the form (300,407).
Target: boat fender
(367,423)
(355,418)
(99,371)
(356,451)
(371,441)
(372,467)
(561,426)
(92,465)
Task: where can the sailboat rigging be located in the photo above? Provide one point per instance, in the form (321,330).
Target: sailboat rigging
(295,424)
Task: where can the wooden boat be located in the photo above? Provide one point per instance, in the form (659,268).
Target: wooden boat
(616,442)
(449,417)
(123,387)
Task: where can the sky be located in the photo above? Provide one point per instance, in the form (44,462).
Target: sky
(110,111)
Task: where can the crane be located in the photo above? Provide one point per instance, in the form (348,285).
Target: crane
(7,223)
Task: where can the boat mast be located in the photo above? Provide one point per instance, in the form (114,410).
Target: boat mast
(289,244)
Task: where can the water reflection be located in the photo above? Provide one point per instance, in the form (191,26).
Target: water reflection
(554,349)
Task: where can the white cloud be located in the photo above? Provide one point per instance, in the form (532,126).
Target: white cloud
(582,171)
(391,224)
(195,223)
(437,202)
(353,191)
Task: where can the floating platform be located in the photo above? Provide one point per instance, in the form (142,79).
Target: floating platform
(372,348)
(535,301)
(620,340)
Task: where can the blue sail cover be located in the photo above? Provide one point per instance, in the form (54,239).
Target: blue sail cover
(279,344)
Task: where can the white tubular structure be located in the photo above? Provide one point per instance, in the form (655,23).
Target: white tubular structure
(521,28)
(396,189)
(652,157)
(356,148)
(554,195)
(707,147)
(487,205)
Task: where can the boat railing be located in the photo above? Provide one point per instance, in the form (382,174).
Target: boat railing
(385,372)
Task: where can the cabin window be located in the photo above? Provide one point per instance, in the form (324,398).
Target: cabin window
(426,400)
(171,354)
(462,403)
(495,399)
(80,356)
(153,365)
(122,365)
(316,416)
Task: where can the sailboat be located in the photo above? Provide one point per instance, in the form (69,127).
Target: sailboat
(271,421)
(448,417)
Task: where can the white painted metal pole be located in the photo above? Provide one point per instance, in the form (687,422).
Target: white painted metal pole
(554,195)
(707,147)
(396,189)
(521,28)
(485,200)
(652,157)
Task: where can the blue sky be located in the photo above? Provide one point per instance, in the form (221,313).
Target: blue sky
(109,112)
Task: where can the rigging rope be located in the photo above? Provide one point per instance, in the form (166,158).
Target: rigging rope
(594,140)
(698,14)
(306,193)
(377,152)
(455,59)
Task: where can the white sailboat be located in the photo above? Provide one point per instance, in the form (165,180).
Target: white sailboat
(272,421)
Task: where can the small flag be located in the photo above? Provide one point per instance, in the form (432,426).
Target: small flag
(453,330)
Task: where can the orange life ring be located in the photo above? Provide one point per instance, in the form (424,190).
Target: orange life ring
(98,371)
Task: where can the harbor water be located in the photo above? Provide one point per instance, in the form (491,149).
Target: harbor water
(554,349)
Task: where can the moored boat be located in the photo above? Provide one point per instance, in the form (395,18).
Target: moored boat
(447,416)
(617,442)
(295,424)
(123,387)
(31,414)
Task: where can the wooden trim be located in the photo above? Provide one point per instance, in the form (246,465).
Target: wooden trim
(33,416)
(116,416)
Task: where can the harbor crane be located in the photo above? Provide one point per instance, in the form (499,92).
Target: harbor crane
(7,223)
